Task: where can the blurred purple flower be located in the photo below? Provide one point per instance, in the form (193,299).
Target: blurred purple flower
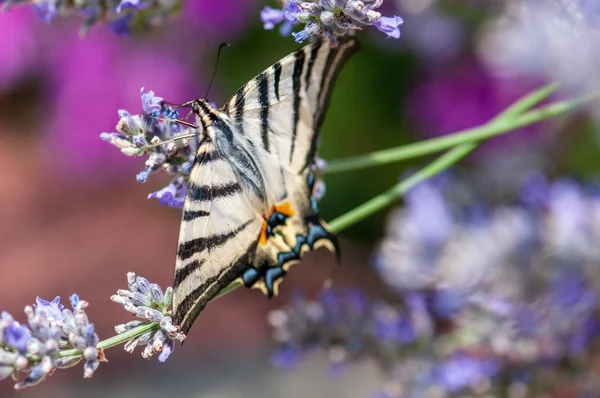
(135,4)
(18,48)
(286,357)
(390,326)
(534,191)
(462,96)
(85,69)
(220,18)
(448,303)
(462,370)
(571,293)
(93,12)
(121,26)
(15,334)
(390,26)
(429,214)
(46,9)
(271,17)
(434,36)
(591,11)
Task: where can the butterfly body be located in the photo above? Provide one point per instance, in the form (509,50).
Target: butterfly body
(250,213)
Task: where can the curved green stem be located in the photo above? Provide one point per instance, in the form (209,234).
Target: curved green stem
(510,120)
(383,200)
(115,340)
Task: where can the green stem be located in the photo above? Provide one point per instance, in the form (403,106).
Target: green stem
(501,125)
(383,200)
(115,340)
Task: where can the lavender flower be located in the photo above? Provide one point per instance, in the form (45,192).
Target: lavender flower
(121,16)
(488,301)
(35,348)
(139,135)
(331,18)
(147,301)
(554,40)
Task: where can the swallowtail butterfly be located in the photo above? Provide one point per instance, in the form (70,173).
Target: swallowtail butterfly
(249,213)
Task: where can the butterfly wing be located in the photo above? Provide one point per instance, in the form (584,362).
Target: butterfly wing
(281,111)
(283,108)
(218,232)
(249,212)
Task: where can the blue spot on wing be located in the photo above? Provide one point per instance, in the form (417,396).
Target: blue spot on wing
(271,275)
(250,276)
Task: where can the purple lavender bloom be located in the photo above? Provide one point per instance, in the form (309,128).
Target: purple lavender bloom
(291,11)
(584,335)
(135,4)
(121,26)
(166,351)
(332,19)
(150,102)
(390,326)
(52,309)
(16,335)
(286,357)
(462,370)
(390,26)
(448,303)
(46,9)
(534,191)
(527,310)
(271,17)
(94,12)
(591,11)
(148,301)
(172,195)
(35,349)
(571,293)
(429,214)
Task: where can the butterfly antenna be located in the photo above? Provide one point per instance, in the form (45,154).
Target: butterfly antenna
(221,46)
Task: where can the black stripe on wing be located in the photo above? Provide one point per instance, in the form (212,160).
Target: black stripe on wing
(193,246)
(296,87)
(276,78)
(189,215)
(311,61)
(200,193)
(240,102)
(262,82)
(181,274)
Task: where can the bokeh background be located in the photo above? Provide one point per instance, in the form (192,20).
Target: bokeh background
(74,219)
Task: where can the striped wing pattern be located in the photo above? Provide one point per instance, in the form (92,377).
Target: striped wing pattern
(249,212)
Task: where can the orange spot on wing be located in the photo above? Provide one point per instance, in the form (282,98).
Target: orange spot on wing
(263,233)
(284,208)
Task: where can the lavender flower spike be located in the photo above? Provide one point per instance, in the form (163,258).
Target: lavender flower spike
(121,16)
(150,102)
(147,301)
(138,135)
(332,19)
(271,17)
(35,347)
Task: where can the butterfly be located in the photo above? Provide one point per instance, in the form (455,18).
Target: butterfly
(249,213)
